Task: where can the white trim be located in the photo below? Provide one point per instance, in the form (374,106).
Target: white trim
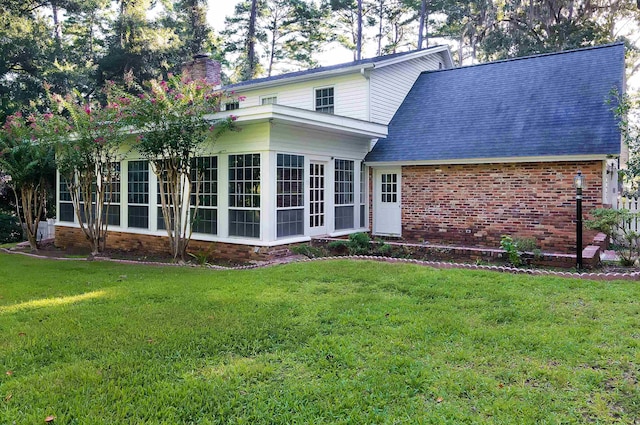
(410,56)
(464,161)
(304,117)
(315,98)
(268,96)
(378,215)
(346,232)
(200,236)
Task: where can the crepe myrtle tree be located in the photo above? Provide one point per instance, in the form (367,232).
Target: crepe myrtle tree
(26,160)
(88,158)
(173,121)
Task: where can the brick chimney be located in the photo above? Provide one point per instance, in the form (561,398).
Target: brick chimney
(202,67)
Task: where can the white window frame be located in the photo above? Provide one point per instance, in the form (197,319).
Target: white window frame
(269,96)
(315,97)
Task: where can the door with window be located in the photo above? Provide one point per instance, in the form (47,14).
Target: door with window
(317,202)
(387,218)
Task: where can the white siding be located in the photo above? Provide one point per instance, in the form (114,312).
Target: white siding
(250,138)
(390,85)
(305,141)
(350,91)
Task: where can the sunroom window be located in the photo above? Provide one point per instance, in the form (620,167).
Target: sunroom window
(138,194)
(244,195)
(290,195)
(344,194)
(206,219)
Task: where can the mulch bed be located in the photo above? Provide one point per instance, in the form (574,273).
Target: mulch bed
(48,250)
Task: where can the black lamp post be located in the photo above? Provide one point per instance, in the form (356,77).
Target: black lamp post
(578,183)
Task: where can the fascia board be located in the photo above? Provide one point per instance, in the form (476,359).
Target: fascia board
(502,160)
(286,114)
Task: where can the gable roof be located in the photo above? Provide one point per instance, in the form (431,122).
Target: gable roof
(343,68)
(545,105)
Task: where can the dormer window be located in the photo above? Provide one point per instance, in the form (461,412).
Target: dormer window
(269,100)
(325,100)
(230,106)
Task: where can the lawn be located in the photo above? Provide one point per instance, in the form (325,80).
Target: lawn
(324,342)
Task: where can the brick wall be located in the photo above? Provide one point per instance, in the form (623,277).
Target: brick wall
(476,204)
(70,237)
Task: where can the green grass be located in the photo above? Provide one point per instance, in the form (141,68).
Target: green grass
(324,342)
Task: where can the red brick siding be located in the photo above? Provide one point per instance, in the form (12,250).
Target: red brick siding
(70,237)
(476,204)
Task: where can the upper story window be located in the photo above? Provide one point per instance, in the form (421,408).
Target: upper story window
(325,100)
(230,106)
(269,100)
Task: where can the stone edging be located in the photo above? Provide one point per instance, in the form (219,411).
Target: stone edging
(434,264)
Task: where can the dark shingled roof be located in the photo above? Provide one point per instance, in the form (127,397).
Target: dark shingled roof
(320,69)
(545,105)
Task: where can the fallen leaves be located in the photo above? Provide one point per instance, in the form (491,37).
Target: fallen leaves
(439,400)
(49,419)
(8,397)
(9,372)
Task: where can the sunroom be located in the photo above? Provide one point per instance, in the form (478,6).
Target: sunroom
(284,176)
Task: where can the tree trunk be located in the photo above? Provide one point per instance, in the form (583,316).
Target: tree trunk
(57,27)
(251,42)
(359,40)
(423,13)
(380,18)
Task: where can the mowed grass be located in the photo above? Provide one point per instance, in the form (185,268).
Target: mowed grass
(323,342)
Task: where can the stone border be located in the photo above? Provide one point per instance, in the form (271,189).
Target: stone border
(434,264)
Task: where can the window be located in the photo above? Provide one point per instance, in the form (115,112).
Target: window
(344,196)
(138,194)
(159,216)
(244,195)
(65,210)
(324,100)
(290,195)
(206,219)
(362,194)
(112,196)
(269,100)
(389,190)
(230,106)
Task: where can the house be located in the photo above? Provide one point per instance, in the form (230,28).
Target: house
(402,145)
(478,152)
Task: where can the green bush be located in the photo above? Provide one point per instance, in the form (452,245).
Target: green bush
(359,244)
(618,226)
(309,251)
(10,230)
(515,247)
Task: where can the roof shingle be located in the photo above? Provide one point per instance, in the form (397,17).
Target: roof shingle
(546,105)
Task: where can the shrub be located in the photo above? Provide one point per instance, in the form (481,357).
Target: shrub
(359,244)
(515,247)
(618,225)
(10,230)
(309,251)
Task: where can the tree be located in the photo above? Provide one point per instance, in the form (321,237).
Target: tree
(87,158)
(625,109)
(27,159)
(171,117)
(237,34)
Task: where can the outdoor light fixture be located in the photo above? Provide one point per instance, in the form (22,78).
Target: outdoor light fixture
(579,184)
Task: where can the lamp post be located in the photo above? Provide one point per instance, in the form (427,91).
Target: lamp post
(578,183)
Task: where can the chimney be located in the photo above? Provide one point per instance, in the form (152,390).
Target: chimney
(202,68)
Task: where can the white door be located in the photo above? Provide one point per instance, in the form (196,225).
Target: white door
(317,202)
(387,218)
